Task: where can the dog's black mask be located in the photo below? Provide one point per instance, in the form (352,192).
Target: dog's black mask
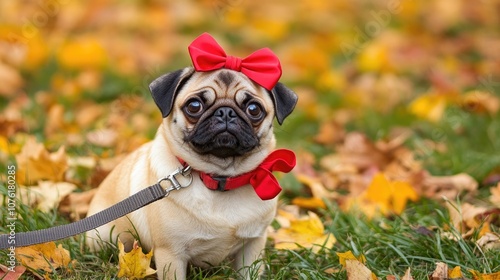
(223,133)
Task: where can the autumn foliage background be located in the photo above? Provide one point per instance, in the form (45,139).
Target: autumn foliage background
(398,107)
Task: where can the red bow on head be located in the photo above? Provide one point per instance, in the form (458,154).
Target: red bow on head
(262,66)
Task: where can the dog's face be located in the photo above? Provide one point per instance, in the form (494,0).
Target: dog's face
(220,122)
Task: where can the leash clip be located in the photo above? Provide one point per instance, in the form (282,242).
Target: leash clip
(175,184)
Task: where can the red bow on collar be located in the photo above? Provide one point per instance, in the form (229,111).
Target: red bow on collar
(262,66)
(266,186)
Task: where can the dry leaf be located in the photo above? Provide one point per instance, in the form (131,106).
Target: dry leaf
(440,273)
(407,275)
(134,264)
(311,203)
(44,256)
(447,186)
(11,273)
(76,205)
(36,163)
(465,216)
(489,241)
(47,195)
(349,256)
(484,276)
(307,232)
(495,195)
(358,271)
(480,102)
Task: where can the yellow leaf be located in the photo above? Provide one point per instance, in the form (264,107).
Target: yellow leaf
(309,202)
(350,256)
(455,273)
(429,106)
(83,53)
(307,232)
(390,196)
(134,264)
(358,271)
(36,163)
(480,276)
(44,256)
(373,57)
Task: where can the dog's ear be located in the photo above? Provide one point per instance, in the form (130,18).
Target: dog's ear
(284,101)
(165,88)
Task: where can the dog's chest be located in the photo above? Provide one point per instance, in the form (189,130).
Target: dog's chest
(210,225)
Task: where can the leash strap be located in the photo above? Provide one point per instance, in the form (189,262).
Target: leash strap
(124,207)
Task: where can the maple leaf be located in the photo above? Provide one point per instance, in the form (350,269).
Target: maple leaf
(134,264)
(44,256)
(306,232)
(47,195)
(36,163)
(485,276)
(389,196)
(495,195)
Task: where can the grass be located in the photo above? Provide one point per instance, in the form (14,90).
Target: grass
(390,245)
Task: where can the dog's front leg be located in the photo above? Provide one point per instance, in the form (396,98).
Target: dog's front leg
(247,255)
(169,266)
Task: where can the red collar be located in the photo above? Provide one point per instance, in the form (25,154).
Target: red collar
(266,186)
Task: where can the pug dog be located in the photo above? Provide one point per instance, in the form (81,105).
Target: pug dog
(220,123)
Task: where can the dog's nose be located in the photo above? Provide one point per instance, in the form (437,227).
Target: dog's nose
(225,114)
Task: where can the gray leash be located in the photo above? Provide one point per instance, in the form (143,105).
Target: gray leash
(122,208)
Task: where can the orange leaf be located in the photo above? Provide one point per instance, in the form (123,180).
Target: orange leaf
(44,256)
(480,276)
(36,163)
(390,196)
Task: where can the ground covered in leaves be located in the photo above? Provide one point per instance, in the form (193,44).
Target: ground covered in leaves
(396,131)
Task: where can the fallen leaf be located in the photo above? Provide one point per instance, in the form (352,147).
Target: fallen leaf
(489,241)
(44,256)
(47,194)
(495,195)
(311,203)
(407,275)
(441,272)
(344,256)
(447,186)
(389,196)
(480,102)
(455,273)
(358,271)
(306,232)
(10,79)
(76,205)
(11,273)
(465,215)
(134,264)
(485,276)
(429,106)
(82,53)
(36,163)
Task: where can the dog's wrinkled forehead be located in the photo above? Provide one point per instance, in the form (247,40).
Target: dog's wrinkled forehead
(223,82)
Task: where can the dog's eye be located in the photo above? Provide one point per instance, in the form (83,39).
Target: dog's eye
(194,107)
(254,110)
